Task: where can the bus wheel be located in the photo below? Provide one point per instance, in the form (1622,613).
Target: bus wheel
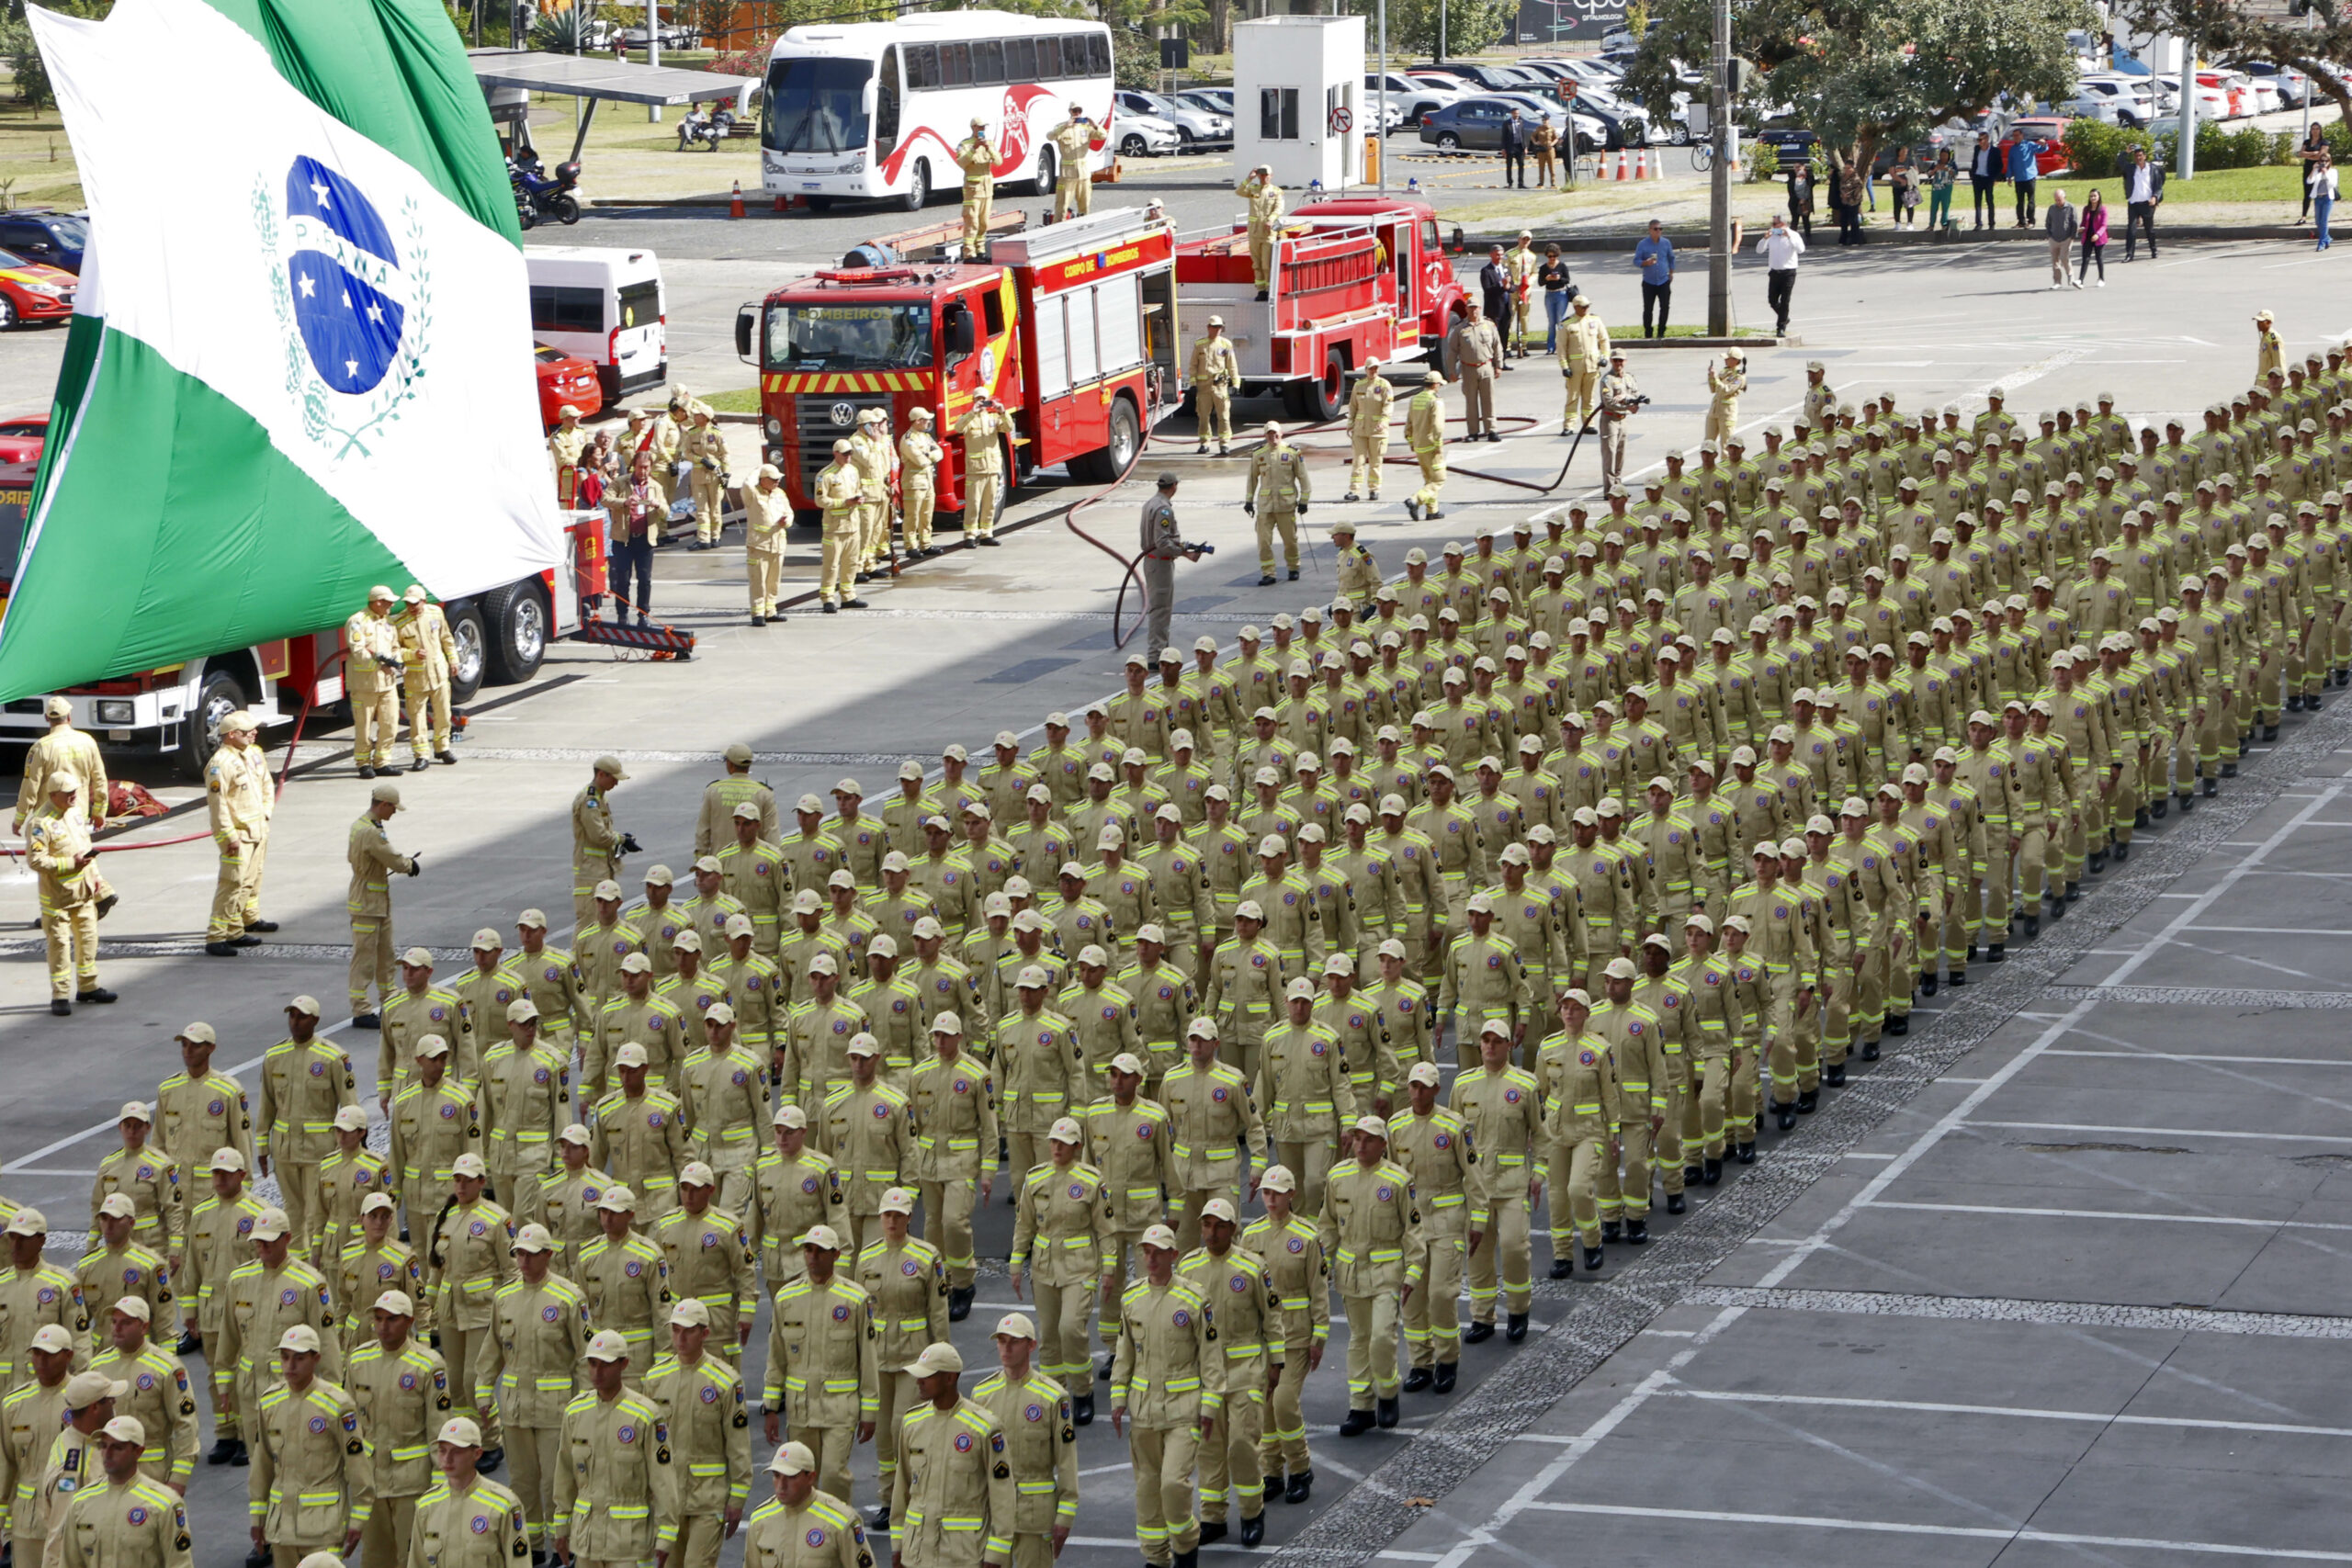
(1044,184)
(818,203)
(918,189)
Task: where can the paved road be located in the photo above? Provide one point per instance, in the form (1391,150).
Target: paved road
(2026,1287)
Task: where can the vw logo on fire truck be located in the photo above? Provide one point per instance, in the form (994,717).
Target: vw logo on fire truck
(843,413)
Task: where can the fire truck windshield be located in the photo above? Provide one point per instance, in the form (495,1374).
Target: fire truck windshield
(881,335)
(816,106)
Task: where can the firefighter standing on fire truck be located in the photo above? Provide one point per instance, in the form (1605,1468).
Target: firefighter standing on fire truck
(1074,142)
(978,160)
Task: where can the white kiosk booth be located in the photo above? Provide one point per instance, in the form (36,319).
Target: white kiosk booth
(1298,100)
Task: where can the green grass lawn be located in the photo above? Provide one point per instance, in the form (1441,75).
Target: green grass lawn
(2221,187)
(744,400)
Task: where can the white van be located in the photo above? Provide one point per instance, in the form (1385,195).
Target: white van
(608,307)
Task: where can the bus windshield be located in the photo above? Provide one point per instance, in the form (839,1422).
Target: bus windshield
(816,106)
(880,336)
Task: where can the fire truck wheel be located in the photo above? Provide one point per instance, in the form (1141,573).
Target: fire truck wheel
(1324,397)
(515,624)
(1124,439)
(466,630)
(216,698)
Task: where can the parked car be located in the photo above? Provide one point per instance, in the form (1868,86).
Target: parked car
(2294,87)
(1197,129)
(1410,96)
(1477,124)
(1219,99)
(2213,103)
(2112,100)
(1591,70)
(39,234)
(1628,122)
(1491,78)
(31,291)
(21,436)
(1145,136)
(565,379)
(673,37)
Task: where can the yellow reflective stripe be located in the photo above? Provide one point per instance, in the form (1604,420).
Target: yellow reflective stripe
(1046,1487)
(415,1450)
(625,1511)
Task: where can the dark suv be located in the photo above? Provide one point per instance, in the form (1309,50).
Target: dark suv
(53,238)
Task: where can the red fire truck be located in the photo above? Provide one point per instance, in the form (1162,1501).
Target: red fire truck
(1352,279)
(1071,328)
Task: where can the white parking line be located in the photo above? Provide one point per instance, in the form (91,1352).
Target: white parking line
(2024,1213)
(2203,1057)
(2164,1132)
(2010,1412)
(1970,1532)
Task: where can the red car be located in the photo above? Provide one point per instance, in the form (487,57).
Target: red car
(30,291)
(21,436)
(566,378)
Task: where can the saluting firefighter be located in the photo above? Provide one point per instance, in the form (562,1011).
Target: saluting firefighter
(1265,199)
(978,160)
(1075,141)
(985,428)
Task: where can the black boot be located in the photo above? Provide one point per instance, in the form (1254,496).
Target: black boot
(1927,983)
(1389,1413)
(1272,1489)
(2189,801)
(1478,1333)
(1189,1559)
(1870,1047)
(1593,1260)
(1212,1531)
(2033,925)
(2122,851)
(1692,1175)
(220,949)
(223,1450)
(1785,1112)
(1714,1172)
(1081,1410)
(2160,809)
(2140,817)
(1675,1204)
(1563,1265)
(1901,1024)
(959,1303)
(880,1519)
(1971,957)
(2212,789)
(95,994)
(1516,1329)
(1836,1077)
(1637,1233)
(1610,1230)
(1417,1380)
(2229,771)
(1744,1154)
(1808,1101)
(2074,892)
(491,1461)
(1253,1530)
(366,1020)
(241,1459)
(1447,1373)
(1358,1423)
(1998,953)
(1300,1485)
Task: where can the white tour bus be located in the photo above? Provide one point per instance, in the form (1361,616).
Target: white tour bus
(871,109)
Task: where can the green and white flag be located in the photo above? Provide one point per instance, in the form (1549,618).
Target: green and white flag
(301,361)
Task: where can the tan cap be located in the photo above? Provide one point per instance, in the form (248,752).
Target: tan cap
(460,1432)
(300,1338)
(1014,1325)
(128,1429)
(606,1344)
(936,1358)
(534,1238)
(397,1302)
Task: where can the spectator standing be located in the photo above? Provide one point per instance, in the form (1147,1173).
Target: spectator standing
(1849,204)
(1494,287)
(635,509)
(1542,141)
(1655,256)
(2060,226)
(1780,246)
(2025,173)
(2094,237)
(1800,196)
(1986,170)
(1554,278)
(1941,176)
(2320,187)
(2144,192)
(1514,151)
(1903,181)
(2313,149)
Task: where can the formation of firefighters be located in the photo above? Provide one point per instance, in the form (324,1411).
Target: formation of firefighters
(1504,898)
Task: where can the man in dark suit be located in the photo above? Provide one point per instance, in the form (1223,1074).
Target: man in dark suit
(1514,153)
(1985,169)
(2144,192)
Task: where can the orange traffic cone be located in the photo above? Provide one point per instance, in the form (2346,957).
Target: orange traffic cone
(735,202)
(1642,164)
(783,204)
(1657,170)
(1621,163)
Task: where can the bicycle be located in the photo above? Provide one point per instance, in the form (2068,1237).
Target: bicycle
(1702,155)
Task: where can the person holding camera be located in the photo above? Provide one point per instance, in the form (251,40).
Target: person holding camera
(1619,396)
(1163,542)
(984,430)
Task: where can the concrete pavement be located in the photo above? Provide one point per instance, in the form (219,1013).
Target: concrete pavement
(2085,1203)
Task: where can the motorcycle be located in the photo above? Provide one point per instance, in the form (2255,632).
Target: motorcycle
(711,130)
(537,195)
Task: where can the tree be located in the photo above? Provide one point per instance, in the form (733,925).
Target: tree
(2223,33)
(1867,74)
(1470,25)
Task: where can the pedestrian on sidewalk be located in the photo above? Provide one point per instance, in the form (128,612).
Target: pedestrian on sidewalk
(1800,196)
(1655,256)
(2094,237)
(2025,173)
(1986,170)
(1941,176)
(1780,247)
(1903,183)
(2313,149)
(1514,151)
(2061,224)
(2320,187)
(2144,192)
(1553,276)
(1849,204)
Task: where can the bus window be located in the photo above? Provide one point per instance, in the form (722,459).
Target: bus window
(1098,55)
(886,105)
(816,106)
(988,63)
(1049,59)
(1021,59)
(954,64)
(923,66)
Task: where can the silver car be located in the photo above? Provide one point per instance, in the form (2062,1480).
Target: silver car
(1197,129)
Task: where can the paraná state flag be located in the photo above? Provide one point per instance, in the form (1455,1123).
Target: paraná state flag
(301,360)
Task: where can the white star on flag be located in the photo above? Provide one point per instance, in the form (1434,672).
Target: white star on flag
(318,191)
(351,367)
(307,287)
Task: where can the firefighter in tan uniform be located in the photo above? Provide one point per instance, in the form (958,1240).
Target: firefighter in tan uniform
(800,1527)
(1168,1383)
(1726,380)
(155,1390)
(711,1259)
(1435,1144)
(616,1492)
(821,1386)
(1040,1443)
(1247,1317)
(58,848)
(908,1284)
(1372,1234)
(954,1501)
(704,451)
(767,514)
(238,796)
(1291,1249)
(372,666)
(953,1103)
(529,1369)
(1368,407)
(1074,140)
(1584,358)
(1425,433)
(918,456)
(1265,199)
(464,1519)
(311,1481)
(369,902)
(870,453)
(428,652)
(130,1521)
(29,1419)
(1277,494)
(978,160)
(1216,371)
(625,1279)
(984,430)
(1213,1126)
(402,1388)
(1061,1234)
(837,497)
(701,1400)
(596,845)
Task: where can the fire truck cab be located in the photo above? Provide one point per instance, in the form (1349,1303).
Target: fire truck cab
(1071,328)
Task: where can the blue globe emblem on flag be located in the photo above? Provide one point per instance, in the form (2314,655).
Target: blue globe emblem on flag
(341,273)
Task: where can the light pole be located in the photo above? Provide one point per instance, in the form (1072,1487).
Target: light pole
(1380,105)
(2184,155)
(1719,127)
